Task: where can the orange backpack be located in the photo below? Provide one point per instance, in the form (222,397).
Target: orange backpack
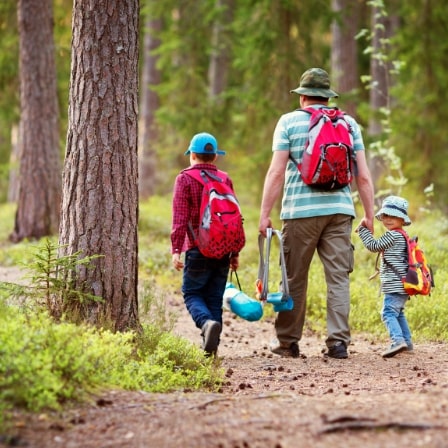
(419,279)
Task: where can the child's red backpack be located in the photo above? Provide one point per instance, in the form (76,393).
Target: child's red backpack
(221,229)
(328,161)
(419,278)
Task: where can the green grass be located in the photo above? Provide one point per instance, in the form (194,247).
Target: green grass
(425,314)
(44,364)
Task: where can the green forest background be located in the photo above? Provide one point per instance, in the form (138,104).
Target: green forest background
(269,44)
(264,64)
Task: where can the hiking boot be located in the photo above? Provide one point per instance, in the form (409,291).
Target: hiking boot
(410,349)
(285,351)
(337,351)
(211,331)
(394,349)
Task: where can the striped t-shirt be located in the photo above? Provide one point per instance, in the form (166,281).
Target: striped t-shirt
(300,200)
(395,251)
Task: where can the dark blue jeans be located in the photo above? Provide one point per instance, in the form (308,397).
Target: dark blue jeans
(204,281)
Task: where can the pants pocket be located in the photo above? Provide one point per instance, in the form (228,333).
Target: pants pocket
(351,258)
(195,263)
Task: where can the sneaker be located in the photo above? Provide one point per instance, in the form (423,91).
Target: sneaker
(394,349)
(211,331)
(337,351)
(284,351)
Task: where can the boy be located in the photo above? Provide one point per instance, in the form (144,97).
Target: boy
(394,215)
(204,279)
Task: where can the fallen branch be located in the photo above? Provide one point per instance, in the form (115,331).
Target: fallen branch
(369,425)
(202,406)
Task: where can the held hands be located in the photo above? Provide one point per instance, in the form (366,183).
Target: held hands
(365,222)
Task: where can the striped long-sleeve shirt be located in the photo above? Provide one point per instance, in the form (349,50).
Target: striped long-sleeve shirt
(395,253)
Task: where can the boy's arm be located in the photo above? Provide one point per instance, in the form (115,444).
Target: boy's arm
(180,214)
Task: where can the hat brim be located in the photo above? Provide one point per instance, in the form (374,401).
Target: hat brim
(395,213)
(218,152)
(324,93)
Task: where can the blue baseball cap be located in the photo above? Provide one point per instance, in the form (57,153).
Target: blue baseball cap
(204,143)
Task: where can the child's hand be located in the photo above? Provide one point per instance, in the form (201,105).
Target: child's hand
(234,262)
(357,228)
(366,224)
(177,262)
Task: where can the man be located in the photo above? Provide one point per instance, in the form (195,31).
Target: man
(314,220)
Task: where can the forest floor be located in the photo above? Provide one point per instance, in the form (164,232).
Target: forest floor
(267,401)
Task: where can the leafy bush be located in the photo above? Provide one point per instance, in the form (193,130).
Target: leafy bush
(44,364)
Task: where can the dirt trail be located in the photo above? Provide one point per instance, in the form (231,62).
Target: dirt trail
(269,401)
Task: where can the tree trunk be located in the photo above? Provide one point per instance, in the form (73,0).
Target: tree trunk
(39,164)
(220,58)
(100,180)
(13,183)
(344,67)
(149,103)
(383,28)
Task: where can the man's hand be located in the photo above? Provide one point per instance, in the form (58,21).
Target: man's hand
(263,225)
(365,223)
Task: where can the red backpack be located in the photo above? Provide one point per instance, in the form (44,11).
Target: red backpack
(328,161)
(419,279)
(221,229)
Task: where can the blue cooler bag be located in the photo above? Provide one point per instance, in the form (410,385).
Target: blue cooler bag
(241,304)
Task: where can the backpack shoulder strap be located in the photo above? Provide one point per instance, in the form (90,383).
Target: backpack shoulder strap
(406,236)
(222,175)
(202,175)
(403,232)
(308,110)
(195,174)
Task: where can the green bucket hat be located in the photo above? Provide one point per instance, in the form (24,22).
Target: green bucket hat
(315,82)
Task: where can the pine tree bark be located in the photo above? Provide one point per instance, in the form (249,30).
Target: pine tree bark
(39,160)
(100,180)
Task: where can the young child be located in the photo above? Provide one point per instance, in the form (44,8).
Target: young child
(204,279)
(394,215)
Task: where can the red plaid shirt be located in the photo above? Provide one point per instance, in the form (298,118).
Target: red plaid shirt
(187,197)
